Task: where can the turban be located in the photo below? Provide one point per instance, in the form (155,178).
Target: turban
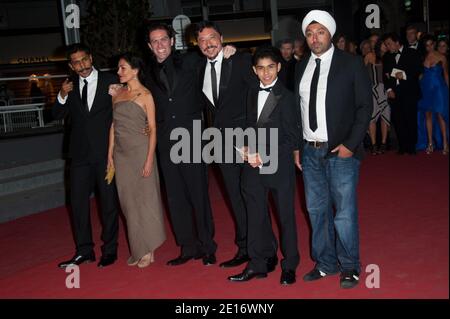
(322,17)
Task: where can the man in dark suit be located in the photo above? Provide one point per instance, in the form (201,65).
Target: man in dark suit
(288,62)
(271,109)
(174,83)
(401,69)
(224,84)
(86,100)
(412,37)
(334,96)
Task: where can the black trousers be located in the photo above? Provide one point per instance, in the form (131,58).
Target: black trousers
(262,243)
(189,206)
(232,177)
(404,118)
(85,176)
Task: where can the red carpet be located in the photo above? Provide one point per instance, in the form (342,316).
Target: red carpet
(404,208)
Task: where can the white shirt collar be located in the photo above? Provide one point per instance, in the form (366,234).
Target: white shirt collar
(91,77)
(268,86)
(325,56)
(218,58)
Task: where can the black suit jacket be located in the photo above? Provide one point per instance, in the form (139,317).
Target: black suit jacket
(236,78)
(89,136)
(410,62)
(178,104)
(287,73)
(279,112)
(348,101)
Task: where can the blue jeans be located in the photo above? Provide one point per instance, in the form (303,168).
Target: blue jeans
(331,183)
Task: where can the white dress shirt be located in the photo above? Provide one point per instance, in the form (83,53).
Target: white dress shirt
(415,45)
(263,95)
(207,86)
(321,134)
(92,88)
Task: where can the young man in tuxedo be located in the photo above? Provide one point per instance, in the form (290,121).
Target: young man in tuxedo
(86,101)
(224,84)
(270,108)
(334,96)
(401,69)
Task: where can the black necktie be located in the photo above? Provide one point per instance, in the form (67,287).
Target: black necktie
(214,82)
(313,97)
(84,99)
(266,89)
(165,79)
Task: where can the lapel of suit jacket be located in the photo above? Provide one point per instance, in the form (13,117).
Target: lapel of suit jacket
(225,75)
(400,59)
(253,103)
(334,69)
(269,105)
(177,69)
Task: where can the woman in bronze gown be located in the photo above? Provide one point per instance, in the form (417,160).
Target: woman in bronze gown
(132,155)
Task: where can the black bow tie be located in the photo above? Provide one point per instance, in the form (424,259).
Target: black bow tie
(266,89)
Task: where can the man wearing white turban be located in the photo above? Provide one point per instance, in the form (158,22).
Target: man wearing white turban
(334,97)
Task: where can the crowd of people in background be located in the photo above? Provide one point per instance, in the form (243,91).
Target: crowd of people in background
(427,113)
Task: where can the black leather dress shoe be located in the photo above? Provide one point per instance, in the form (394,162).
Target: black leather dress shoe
(107,260)
(247,275)
(316,274)
(287,277)
(180,260)
(236,261)
(78,260)
(209,259)
(349,279)
(272,263)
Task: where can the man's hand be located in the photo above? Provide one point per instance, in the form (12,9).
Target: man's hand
(391,94)
(343,152)
(297,160)
(146,130)
(399,75)
(228,51)
(254,160)
(115,89)
(66,87)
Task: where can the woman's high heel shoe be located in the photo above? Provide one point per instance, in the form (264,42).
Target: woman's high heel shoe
(429,149)
(146,260)
(445,150)
(133,264)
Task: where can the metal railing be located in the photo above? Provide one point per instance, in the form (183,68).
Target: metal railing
(19,117)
